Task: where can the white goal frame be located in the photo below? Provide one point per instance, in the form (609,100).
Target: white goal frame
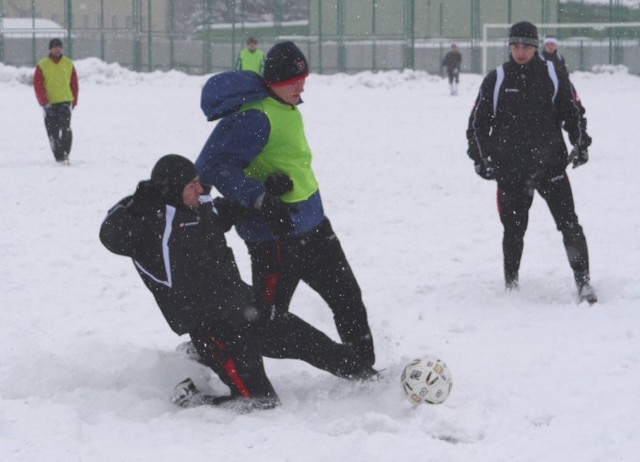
(548,25)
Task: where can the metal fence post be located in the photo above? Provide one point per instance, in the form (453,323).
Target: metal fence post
(233,34)
(320,36)
(69,44)
(1,32)
(409,35)
(137,44)
(34,57)
(149,40)
(374,61)
(102,30)
(342,58)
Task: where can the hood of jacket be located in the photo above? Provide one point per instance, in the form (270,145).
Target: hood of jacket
(225,93)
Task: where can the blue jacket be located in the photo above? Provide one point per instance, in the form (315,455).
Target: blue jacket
(236,140)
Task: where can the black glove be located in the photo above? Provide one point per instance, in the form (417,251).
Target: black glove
(277,214)
(278,184)
(578,156)
(230,212)
(146,196)
(485,169)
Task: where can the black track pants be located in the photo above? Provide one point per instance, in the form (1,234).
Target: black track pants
(289,337)
(57,121)
(514,202)
(235,355)
(317,259)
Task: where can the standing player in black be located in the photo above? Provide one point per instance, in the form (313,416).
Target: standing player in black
(451,64)
(515,137)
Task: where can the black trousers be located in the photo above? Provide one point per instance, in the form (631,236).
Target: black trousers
(317,259)
(514,201)
(453,75)
(235,354)
(57,121)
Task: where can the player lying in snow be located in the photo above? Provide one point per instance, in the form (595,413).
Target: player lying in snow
(175,237)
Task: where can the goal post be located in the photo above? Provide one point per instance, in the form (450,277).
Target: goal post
(542,27)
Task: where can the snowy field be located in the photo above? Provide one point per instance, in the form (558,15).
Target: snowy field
(87,363)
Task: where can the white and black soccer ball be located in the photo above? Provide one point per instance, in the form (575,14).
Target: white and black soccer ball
(426,380)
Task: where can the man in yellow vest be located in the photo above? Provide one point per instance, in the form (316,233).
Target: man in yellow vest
(56,85)
(258,156)
(251,58)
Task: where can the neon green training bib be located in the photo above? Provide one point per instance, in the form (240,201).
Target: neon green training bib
(287,150)
(57,79)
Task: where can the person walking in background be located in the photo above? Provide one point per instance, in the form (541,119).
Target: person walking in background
(251,58)
(56,85)
(258,156)
(550,53)
(452,62)
(515,137)
(175,236)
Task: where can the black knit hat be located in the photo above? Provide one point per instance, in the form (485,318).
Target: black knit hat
(524,33)
(170,175)
(284,62)
(55,42)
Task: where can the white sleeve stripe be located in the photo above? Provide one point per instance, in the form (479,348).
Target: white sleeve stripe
(496,89)
(475,127)
(171,211)
(554,78)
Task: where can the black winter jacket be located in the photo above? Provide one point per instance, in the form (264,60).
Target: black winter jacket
(183,258)
(452,60)
(517,120)
(557,59)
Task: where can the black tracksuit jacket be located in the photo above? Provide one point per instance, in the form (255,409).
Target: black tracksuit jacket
(183,258)
(518,124)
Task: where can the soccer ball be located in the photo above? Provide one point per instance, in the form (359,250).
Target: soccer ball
(426,380)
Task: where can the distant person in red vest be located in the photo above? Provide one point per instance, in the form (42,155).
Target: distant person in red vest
(56,84)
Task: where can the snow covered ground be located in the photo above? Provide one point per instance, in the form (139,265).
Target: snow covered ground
(87,363)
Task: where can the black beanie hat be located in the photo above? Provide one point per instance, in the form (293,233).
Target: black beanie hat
(55,42)
(284,62)
(170,175)
(524,33)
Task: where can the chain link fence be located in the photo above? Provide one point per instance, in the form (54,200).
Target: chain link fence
(205,36)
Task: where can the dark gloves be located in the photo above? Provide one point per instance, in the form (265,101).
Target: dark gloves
(230,212)
(277,214)
(146,196)
(278,184)
(578,156)
(485,169)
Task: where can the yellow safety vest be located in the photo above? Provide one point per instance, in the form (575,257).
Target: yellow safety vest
(57,79)
(251,61)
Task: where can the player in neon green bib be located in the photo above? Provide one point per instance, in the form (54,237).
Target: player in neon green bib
(259,157)
(56,85)
(251,58)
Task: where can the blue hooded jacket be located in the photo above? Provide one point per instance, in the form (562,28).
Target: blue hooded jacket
(236,140)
